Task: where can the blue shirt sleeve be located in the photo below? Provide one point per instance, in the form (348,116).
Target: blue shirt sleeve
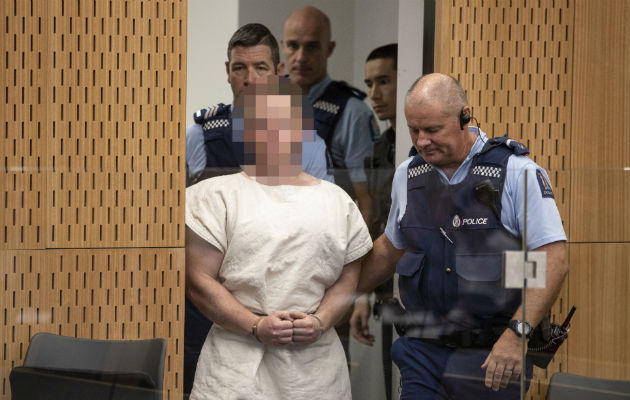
(544,224)
(195,152)
(352,138)
(314,158)
(399,204)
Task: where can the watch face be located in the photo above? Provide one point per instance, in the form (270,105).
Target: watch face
(523,329)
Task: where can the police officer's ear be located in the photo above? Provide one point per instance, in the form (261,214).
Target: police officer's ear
(227,70)
(280,69)
(464,117)
(331,47)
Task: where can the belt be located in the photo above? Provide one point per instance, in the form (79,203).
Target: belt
(467,338)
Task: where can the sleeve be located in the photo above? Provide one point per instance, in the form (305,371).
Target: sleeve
(399,204)
(314,157)
(544,224)
(359,241)
(206,213)
(195,152)
(353,137)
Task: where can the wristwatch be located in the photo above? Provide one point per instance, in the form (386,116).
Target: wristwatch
(520,328)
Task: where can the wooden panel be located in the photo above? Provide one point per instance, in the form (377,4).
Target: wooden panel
(23,102)
(115,148)
(100,294)
(601,109)
(599,285)
(92,103)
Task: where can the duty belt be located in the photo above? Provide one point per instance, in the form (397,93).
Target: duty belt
(467,338)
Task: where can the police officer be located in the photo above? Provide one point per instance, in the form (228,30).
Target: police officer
(381,80)
(342,119)
(456,206)
(252,52)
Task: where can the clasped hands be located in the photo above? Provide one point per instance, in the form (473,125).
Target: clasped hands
(283,327)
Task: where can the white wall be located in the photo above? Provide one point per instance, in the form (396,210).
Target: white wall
(209,32)
(375,24)
(410,34)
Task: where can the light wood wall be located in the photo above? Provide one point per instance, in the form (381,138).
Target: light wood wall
(92,104)
(555,74)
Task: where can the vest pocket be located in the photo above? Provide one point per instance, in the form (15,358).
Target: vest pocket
(409,269)
(480,284)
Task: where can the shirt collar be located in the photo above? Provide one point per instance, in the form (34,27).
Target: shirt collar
(318,89)
(463,169)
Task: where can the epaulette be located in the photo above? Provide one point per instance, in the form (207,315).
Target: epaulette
(211,112)
(516,147)
(353,91)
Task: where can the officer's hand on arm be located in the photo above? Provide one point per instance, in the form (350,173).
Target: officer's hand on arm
(379,264)
(504,361)
(359,321)
(275,329)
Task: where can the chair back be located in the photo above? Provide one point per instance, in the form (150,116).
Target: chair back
(129,361)
(576,387)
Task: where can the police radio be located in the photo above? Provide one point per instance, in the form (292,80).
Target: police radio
(486,194)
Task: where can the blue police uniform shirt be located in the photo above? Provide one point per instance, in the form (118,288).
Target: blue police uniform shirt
(544,224)
(353,135)
(313,154)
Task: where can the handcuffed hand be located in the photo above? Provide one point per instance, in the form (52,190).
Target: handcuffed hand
(306,328)
(275,329)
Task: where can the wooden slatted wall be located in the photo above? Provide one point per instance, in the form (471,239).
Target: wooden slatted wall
(540,70)
(92,99)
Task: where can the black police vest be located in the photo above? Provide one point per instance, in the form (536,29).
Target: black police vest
(223,156)
(452,267)
(327,110)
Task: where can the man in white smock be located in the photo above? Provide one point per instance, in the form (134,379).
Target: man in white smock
(273,258)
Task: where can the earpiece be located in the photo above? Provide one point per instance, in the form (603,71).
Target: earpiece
(463,118)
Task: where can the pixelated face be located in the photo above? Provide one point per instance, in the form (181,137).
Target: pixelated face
(380,79)
(306,47)
(272,133)
(249,63)
(436,135)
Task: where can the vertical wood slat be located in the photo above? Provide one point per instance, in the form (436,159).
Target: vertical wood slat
(601,109)
(600,287)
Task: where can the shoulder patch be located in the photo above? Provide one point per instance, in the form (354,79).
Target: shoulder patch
(351,89)
(545,186)
(218,110)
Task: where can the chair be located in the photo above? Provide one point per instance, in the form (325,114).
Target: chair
(576,387)
(61,367)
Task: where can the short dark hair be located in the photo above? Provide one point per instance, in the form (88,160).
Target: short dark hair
(387,51)
(250,35)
